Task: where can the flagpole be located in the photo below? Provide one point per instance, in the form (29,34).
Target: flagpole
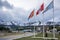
(53,21)
(34,31)
(34,27)
(43,26)
(31,15)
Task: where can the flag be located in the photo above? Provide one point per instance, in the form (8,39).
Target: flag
(31,15)
(50,6)
(41,9)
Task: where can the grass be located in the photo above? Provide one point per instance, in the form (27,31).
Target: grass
(28,38)
(38,35)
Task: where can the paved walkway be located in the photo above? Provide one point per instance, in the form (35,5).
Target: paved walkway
(16,36)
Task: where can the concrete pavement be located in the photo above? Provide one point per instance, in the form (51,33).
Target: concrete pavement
(16,36)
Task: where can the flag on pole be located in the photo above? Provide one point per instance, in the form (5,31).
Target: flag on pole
(40,9)
(50,6)
(31,15)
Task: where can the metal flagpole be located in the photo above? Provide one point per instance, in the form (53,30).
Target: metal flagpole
(34,27)
(53,21)
(43,26)
(34,31)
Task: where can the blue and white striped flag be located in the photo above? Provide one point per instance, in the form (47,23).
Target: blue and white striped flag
(50,6)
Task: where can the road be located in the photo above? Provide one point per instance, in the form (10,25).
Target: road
(16,36)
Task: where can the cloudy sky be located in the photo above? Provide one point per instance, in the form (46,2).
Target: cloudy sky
(19,10)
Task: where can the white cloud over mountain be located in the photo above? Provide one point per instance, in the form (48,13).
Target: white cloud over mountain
(20,15)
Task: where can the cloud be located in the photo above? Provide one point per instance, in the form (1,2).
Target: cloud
(5,4)
(17,15)
(49,16)
(1,4)
(21,16)
(56,19)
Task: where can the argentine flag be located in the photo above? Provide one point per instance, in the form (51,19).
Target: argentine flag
(50,6)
